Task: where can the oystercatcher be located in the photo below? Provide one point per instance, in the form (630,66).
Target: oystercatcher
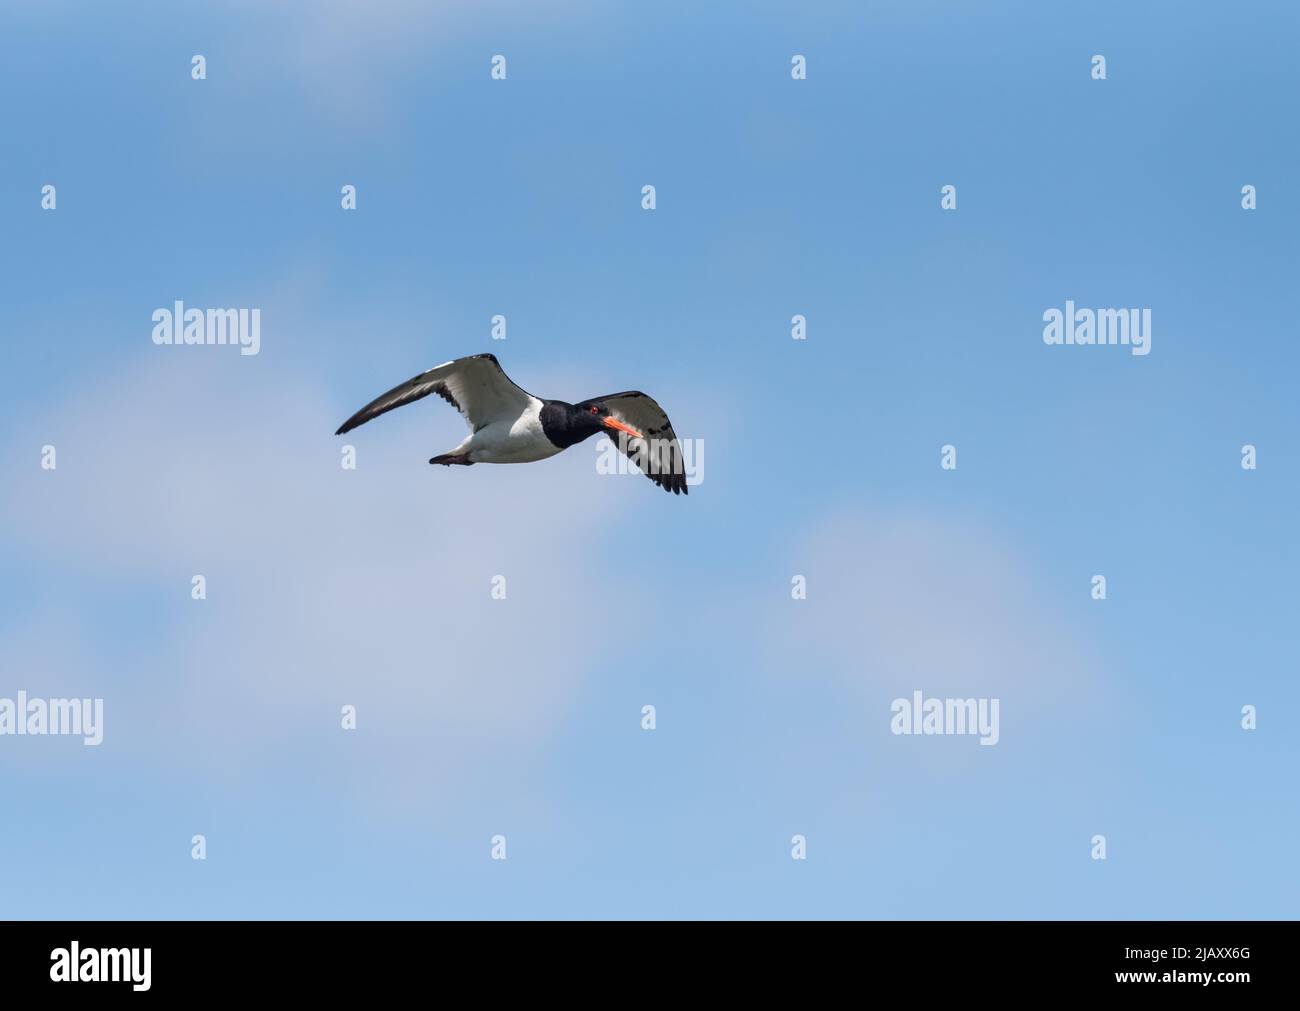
(510,425)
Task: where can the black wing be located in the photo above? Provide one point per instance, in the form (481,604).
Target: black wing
(659,455)
(476,386)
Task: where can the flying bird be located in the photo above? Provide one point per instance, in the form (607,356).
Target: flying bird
(510,425)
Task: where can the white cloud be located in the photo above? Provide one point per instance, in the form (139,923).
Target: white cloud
(900,601)
(325,586)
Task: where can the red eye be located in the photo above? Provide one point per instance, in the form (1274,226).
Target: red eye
(595,410)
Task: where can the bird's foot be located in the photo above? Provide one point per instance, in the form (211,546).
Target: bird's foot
(448,459)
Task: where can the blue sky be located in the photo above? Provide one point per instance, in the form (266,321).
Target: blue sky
(522,717)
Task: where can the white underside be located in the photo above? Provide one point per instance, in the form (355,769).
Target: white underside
(520,440)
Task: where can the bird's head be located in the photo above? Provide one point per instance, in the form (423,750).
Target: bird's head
(569,424)
(595,418)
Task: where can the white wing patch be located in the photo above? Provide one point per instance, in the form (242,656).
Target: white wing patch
(476,386)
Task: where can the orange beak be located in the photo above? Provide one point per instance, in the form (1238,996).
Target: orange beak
(620,427)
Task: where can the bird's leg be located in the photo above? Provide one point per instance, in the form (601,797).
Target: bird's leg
(447,459)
